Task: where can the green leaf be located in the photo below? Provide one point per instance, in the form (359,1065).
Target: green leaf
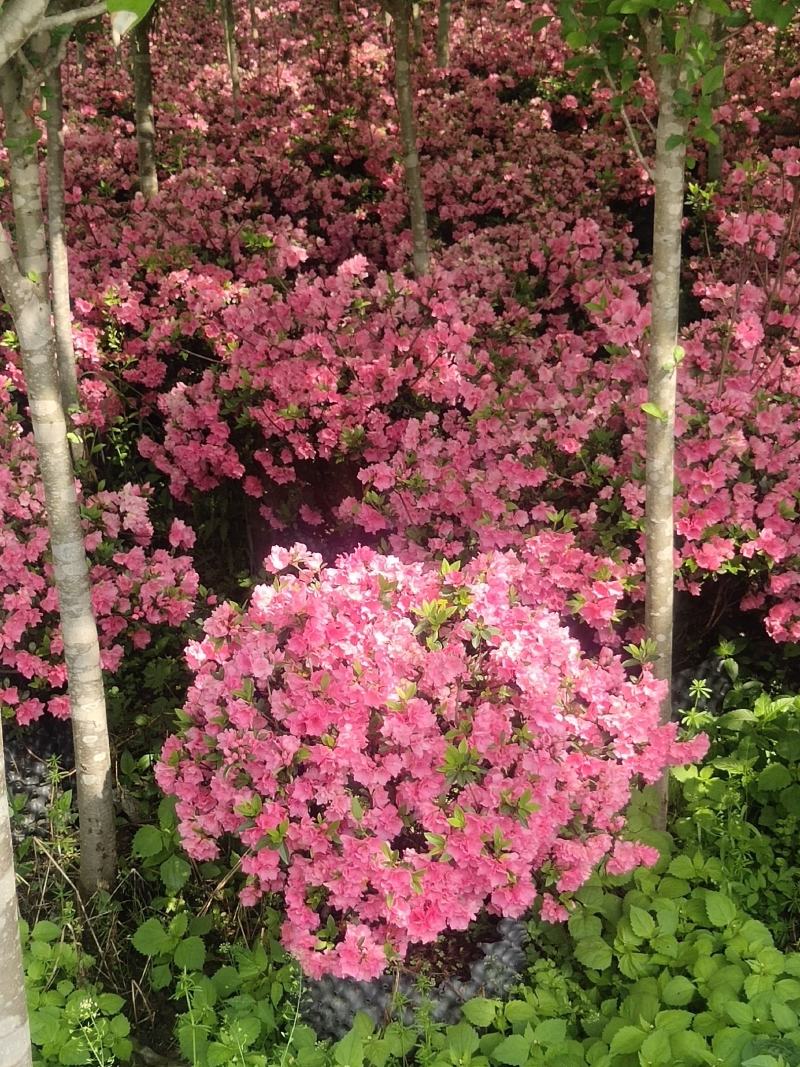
(46,1025)
(44,930)
(689,1046)
(550,1032)
(513,1050)
(720,908)
(655,1050)
(148,841)
(582,924)
(712,80)
(175,872)
(774,776)
(675,140)
(519,1011)
(190,954)
(479,1011)
(627,1039)
(678,991)
(151,939)
(642,922)
(110,1003)
(594,952)
(462,1040)
(654,411)
(783,1016)
(125,14)
(75,1051)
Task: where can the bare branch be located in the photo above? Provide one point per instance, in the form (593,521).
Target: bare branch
(632,135)
(19,21)
(78,14)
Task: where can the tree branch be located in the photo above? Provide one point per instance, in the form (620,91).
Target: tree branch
(71,18)
(19,20)
(632,135)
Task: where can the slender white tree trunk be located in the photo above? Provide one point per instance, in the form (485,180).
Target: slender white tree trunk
(231,51)
(400,11)
(15,1037)
(251,7)
(662,380)
(443,34)
(59,265)
(145,114)
(416,25)
(25,288)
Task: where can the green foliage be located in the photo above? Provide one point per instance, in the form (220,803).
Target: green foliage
(73,1022)
(743,803)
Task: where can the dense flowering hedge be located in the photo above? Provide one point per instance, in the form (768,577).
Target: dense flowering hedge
(400,746)
(136,585)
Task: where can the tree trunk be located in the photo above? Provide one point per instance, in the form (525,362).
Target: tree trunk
(443,35)
(15,1036)
(26,291)
(251,7)
(231,51)
(662,379)
(416,24)
(401,15)
(145,115)
(59,266)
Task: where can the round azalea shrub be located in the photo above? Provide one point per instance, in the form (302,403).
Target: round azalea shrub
(400,747)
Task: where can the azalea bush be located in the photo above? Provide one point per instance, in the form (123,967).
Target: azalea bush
(140,581)
(399,747)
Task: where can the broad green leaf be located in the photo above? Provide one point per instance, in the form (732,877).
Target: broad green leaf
(46,931)
(594,952)
(479,1011)
(627,1039)
(712,80)
(513,1050)
(655,1050)
(151,939)
(678,991)
(349,1052)
(550,1032)
(147,841)
(125,14)
(642,922)
(190,954)
(462,1040)
(774,776)
(720,908)
(175,872)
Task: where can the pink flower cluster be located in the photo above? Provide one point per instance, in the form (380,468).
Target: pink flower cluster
(399,746)
(136,586)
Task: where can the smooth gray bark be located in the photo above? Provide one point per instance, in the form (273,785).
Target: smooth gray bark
(15,1036)
(400,11)
(24,283)
(443,34)
(59,264)
(145,114)
(231,51)
(416,25)
(251,7)
(662,377)
(19,21)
